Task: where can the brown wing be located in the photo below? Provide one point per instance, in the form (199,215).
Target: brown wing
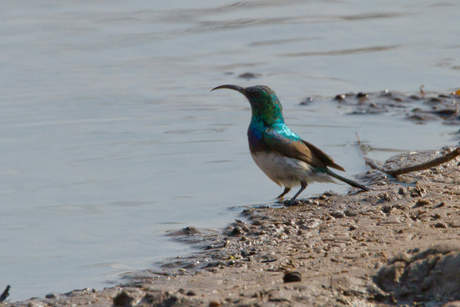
(323,156)
(298,149)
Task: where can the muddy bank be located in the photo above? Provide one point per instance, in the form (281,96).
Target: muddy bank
(419,107)
(396,244)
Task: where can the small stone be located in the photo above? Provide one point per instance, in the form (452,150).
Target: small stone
(335,259)
(123,299)
(190,230)
(434,100)
(442,204)
(392,219)
(422,203)
(338,214)
(440,225)
(306,101)
(191,293)
(237,231)
(401,256)
(351,213)
(51,295)
(292,277)
(312,223)
(214,304)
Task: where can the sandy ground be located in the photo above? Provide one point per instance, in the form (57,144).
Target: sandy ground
(398,244)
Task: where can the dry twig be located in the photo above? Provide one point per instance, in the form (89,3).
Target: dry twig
(414,168)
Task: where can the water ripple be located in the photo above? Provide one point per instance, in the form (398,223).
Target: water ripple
(342,51)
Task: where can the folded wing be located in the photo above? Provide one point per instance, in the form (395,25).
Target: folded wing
(294,147)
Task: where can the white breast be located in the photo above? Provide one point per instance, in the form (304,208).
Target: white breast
(287,171)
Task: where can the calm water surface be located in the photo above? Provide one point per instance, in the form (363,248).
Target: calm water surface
(110,136)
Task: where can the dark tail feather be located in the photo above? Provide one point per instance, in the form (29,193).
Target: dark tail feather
(346,180)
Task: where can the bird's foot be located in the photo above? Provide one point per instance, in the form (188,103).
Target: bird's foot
(290,203)
(358,191)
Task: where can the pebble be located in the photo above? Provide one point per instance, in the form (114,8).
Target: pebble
(292,277)
(237,231)
(391,220)
(51,295)
(190,230)
(123,299)
(422,203)
(351,213)
(338,214)
(312,224)
(440,225)
(401,256)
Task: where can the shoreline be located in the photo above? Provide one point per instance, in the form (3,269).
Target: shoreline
(396,244)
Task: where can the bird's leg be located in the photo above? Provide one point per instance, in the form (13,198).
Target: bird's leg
(286,190)
(303,185)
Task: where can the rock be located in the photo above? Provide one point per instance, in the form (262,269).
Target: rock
(433,273)
(440,225)
(311,224)
(292,277)
(401,256)
(280,296)
(190,230)
(52,295)
(123,299)
(422,203)
(351,213)
(338,214)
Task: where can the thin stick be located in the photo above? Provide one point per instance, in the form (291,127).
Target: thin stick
(372,164)
(419,167)
(357,136)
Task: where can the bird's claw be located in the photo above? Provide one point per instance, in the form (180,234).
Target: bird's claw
(290,203)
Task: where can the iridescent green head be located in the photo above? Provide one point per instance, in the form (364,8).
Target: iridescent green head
(265,104)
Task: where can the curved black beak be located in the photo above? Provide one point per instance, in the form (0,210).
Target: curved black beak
(231,87)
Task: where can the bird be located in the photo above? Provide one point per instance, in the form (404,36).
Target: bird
(278,151)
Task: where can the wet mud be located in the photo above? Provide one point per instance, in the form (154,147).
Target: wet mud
(398,243)
(419,108)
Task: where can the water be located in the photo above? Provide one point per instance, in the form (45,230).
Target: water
(110,136)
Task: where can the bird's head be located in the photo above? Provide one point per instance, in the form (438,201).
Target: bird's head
(263,100)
